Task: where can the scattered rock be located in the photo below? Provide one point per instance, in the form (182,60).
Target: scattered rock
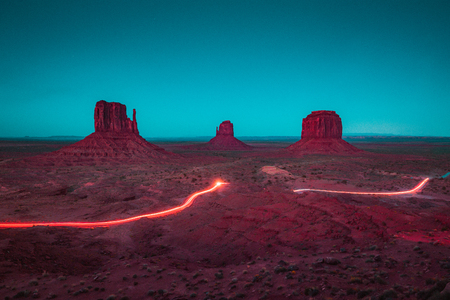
(279,269)
(283,263)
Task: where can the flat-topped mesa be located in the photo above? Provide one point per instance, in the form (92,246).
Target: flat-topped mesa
(225,128)
(322,134)
(322,124)
(112,117)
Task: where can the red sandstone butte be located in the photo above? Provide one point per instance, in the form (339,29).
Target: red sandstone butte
(112,117)
(322,133)
(115,136)
(225,140)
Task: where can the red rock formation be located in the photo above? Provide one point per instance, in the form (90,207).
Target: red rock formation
(113,145)
(115,136)
(322,133)
(112,117)
(225,128)
(225,140)
(322,124)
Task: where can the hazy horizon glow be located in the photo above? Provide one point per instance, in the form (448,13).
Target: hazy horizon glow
(186,66)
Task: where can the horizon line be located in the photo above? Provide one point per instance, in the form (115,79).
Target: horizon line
(382,135)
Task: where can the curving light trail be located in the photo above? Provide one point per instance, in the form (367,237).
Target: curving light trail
(414,190)
(160,214)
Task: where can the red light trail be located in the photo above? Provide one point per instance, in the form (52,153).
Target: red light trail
(414,190)
(160,214)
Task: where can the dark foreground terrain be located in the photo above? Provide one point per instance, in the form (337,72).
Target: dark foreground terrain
(252,239)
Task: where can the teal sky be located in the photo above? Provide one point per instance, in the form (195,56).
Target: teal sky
(188,65)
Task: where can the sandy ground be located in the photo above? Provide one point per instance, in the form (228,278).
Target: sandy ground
(251,239)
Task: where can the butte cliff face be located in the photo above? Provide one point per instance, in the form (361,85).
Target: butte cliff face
(322,133)
(115,137)
(112,117)
(225,140)
(322,124)
(225,129)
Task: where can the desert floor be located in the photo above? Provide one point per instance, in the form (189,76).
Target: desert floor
(251,239)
